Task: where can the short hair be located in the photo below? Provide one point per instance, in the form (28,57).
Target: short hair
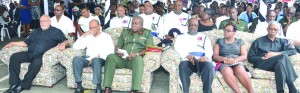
(234,27)
(85,7)
(274,23)
(269,12)
(250,4)
(140,18)
(292,9)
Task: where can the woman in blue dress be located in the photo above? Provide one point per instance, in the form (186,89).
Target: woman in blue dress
(25,16)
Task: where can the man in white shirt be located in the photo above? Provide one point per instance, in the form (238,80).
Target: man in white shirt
(83,22)
(98,45)
(175,19)
(261,27)
(190,63)
(62,22)
(121,20)
(222,16)
(152,21)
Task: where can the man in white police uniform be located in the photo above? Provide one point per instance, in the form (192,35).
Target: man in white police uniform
(175,19)
(83,22)
(121,20)
(152,21)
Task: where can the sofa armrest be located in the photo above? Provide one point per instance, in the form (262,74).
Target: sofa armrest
(295,59)
(67,56)
(5,53)
(51,57)
(152,61)
(170,60)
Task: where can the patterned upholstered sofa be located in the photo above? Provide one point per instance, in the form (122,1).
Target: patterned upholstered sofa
(122,79)
(51,70)
(262,81)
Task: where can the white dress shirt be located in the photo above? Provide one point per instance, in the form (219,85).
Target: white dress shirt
(184,44)
(293,31)
(99,46)
(65,24)
(84,22)
(220,19)
(261,30)
(172,20)
(118,22)
(151,20)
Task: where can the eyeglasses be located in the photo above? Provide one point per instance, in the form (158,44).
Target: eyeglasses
(289,13)
(228,30)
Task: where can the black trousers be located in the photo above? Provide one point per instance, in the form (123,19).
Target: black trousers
(284,72)
(14,69)
(203,69)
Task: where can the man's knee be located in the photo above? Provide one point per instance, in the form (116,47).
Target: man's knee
(111,57)
(97,61)
(208,65)
(183,64)
(139,60)
(14,57)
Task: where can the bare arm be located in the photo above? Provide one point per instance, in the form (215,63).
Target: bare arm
(216,54)
(20,43)
(79,30)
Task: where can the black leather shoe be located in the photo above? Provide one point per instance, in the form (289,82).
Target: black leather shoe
(78,90)
(97,91)
(19,89)
(11,89)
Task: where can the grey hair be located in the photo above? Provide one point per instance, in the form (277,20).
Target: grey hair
(274,23)
(292,9)
(140,18)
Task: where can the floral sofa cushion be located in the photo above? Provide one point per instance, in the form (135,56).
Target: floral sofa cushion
(123,77)
(50,73)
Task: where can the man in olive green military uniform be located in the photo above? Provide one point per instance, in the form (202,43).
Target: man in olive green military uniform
(288,19)
(240,25)
(134,41)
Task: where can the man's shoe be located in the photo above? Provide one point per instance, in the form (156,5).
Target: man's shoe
(107,90)
(19,89)
(11,89)
(97,91)
(78,90)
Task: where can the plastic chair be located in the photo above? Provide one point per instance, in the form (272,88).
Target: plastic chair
(3,30)
(19,30)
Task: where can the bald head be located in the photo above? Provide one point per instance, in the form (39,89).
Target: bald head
(45,22)
(178,6)
(94,27)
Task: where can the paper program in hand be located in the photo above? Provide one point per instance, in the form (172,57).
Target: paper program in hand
(124,52)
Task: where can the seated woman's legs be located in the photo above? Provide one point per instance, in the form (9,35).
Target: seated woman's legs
(243,77)
(230,79)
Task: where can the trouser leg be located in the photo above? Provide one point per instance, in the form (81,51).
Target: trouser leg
(280,78)
(78,64)
(15,65)
(137,67)
(97,64)
(185,71)
(206,71)
(33,69)
(113,61)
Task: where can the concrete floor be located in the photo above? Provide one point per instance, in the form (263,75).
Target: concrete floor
(159,85)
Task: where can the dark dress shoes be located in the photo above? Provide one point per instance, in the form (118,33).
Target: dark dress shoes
(107,90)
(11,89)
(78,90)
(19,89)
(97,91)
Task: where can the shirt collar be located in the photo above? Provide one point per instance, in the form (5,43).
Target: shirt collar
(267,38)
